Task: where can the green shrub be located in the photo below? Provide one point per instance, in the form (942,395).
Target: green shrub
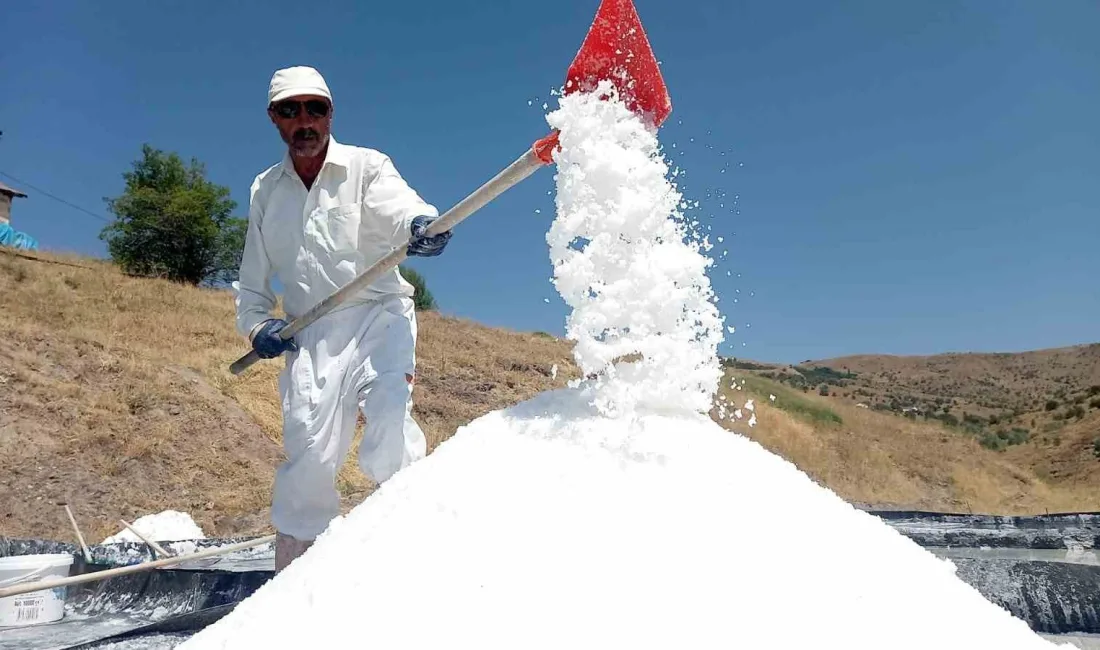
(422,297)
(1017,436)
(825,375)
(992,441)
(1002,439)
(173,223)
(1051,405)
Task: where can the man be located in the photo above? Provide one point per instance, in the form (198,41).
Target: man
(316,220)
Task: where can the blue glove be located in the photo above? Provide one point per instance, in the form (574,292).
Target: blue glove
(425,246)
(267,342)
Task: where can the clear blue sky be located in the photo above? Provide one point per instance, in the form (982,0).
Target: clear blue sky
(917,177)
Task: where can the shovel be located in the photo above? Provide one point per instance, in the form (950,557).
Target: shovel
(615,49)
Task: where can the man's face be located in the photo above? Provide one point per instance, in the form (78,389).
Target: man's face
(304,122)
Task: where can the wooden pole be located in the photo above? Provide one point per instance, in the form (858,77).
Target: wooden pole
(126,570)
(157,548)
(79,537)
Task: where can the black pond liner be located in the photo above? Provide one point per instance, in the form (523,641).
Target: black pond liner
(1039,532)
(1053,597)
(174,600)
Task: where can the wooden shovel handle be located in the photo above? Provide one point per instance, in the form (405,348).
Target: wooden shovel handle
(532,159)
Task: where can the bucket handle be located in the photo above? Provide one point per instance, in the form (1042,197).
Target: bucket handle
(7,582)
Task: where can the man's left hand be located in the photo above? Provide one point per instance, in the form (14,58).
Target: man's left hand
(425,246)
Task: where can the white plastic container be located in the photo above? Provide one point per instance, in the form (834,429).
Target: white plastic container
(36,607)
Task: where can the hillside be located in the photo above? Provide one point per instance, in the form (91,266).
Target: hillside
(115,397)
(1040,409)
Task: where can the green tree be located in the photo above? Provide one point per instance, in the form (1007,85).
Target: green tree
(423,298)
(173,223)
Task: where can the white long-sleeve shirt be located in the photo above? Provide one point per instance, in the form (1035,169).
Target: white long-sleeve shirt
(315,241)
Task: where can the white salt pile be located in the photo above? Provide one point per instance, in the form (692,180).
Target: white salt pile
(614,513)
(166,526)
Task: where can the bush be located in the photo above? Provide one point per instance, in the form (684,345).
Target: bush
(1003,439)
(173,223)
(992,441)
(825,375)
(1095,404)
(1051,405)
(422,298)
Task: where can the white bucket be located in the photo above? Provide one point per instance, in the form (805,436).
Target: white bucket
(35,607)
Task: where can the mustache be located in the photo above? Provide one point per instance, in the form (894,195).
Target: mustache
(305,135)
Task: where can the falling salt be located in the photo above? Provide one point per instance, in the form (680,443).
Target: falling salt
(640,273)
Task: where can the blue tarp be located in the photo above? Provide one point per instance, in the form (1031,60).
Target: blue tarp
(15,239)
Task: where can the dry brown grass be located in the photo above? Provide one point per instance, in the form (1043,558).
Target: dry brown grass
(115,396)
(889,461)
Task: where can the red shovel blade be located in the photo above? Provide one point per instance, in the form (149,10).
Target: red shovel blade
(616,49)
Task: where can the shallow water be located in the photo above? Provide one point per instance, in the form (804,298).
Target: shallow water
(1089,556)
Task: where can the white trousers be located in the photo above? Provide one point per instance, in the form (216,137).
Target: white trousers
(359,358)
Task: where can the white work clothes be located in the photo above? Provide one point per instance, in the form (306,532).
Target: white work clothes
(315,241)
(358,358)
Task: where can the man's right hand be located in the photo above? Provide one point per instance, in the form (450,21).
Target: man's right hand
(268,344)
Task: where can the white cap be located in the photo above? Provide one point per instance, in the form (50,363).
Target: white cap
(298,80)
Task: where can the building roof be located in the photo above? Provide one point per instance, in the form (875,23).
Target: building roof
(10,191)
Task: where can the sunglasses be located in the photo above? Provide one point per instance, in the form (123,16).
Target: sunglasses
(288,109)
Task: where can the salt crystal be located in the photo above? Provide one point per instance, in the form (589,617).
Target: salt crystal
(166,526)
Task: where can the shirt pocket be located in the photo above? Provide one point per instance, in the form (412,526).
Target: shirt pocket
(338,228)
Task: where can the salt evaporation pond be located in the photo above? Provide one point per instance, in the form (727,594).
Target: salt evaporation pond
(615,513)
